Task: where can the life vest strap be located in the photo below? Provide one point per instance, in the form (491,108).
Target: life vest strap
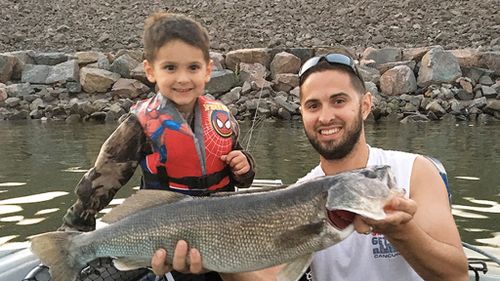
(202,182)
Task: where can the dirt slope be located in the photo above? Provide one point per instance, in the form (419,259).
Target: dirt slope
(72,25)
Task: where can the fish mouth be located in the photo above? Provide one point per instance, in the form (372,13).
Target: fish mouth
(340,219)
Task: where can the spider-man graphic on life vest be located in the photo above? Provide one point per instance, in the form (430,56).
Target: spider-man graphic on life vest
(184,158)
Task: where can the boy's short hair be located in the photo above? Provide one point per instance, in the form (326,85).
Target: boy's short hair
(161,28)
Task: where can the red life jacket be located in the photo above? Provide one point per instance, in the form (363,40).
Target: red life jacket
(183,159)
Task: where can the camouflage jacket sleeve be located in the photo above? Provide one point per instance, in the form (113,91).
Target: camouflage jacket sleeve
(245,180)
(114,166)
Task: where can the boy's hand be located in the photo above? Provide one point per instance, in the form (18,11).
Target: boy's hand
(237,161)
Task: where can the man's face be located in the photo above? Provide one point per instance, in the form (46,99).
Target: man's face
(332,113)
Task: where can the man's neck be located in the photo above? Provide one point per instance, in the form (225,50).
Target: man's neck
(357,159)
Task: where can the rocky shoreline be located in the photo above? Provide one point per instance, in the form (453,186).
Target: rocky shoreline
(412,84)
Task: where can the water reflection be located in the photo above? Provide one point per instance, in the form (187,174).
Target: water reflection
(41,197)
(12,219)
(30,221)
(75,170)
(492,207)
(46,161)
(7,238)
(467,215)
(467,178)
(11,184)
(9,209)
(47,211)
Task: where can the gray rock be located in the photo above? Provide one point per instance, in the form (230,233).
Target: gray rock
(221,81)
(492,106)
(369,74)
(35,73)
(285,82)
(488,92)
(123,65)
(231,97)
(3,92)
(74,87)
(49,58)
(250,56)
(436,108)
(73,118)
(491,60)
(19,90)
(282,102)
(64,72)
(12,102)
(7,64)
(254,73)
(381,56)
(97,80)
(398,80)
(415,118)
(22,58)
(486,80)
(129,88)
(438,66)
(284,63)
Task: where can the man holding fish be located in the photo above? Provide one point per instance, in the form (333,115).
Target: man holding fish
(418,238)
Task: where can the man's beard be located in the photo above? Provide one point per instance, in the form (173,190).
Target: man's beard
(331,151)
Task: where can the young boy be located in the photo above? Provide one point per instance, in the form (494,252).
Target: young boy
(183,141)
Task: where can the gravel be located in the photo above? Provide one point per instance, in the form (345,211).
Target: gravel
(75,25)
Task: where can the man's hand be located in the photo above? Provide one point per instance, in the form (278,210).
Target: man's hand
(237,161)
(399,211)
(184,260)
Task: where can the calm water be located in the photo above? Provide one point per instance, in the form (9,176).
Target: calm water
(42,162)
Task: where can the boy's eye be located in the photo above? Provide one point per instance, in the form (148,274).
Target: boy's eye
(169,67)
(194,67)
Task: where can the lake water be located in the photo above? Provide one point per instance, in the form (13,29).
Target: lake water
(41,162)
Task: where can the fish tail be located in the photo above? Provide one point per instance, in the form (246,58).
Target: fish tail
(53,249)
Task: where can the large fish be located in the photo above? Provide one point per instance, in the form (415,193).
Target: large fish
(234,233)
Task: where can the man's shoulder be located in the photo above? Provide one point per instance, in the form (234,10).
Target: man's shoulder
(379,156)
(314,173)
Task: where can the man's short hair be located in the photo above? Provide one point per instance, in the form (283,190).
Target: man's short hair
(357,80)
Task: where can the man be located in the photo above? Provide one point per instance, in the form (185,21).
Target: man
(418,239)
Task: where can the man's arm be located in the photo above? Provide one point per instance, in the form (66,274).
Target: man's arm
(113,168)
(426,236)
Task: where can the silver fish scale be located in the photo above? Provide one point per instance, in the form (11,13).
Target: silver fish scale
(235,233)
(232,234)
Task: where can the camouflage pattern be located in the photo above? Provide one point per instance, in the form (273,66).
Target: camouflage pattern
(116,163)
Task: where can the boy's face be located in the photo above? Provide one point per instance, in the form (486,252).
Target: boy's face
(180,72)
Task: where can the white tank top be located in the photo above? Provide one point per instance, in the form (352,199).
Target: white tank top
(367,257)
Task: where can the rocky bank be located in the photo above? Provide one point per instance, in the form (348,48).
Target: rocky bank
(423,60)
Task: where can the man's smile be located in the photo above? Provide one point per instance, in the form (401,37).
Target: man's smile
(330,131)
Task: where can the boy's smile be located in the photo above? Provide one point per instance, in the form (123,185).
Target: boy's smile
(181,71)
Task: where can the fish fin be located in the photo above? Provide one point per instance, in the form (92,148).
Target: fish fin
(144,198)
(294,270)
(126,264)
(299,235)
(53,249)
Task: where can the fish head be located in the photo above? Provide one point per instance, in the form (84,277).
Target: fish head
(363,192)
